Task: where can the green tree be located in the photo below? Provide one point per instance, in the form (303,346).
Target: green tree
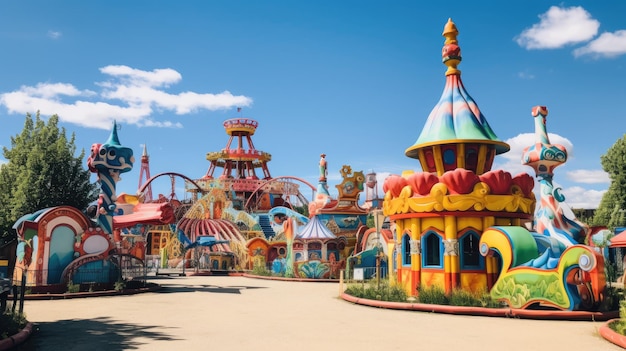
(41,172)
(610,212)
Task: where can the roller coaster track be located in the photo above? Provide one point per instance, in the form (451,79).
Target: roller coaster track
(278,179)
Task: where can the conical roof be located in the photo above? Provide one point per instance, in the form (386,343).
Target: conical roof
(315,229)
(456,118)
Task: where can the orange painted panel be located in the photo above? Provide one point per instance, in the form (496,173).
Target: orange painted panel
(432,278)
(475,282)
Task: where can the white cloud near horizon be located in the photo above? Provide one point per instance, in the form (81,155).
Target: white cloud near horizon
(587,176)
(579,197)
(129,96)
(558,27)
(575,196)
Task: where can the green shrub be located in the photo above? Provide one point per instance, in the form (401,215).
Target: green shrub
(460,297)
(373,291)
(11,324)
(119,285)
(487,301)
(434,295)
(429,295)
(619,325)
(72,288)
(261,270)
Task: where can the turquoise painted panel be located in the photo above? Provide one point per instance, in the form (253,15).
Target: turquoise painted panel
(61,252)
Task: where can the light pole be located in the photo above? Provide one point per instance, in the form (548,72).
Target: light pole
(379,217)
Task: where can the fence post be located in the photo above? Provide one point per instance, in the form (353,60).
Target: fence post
(14,299)
(340,282)
(22,292)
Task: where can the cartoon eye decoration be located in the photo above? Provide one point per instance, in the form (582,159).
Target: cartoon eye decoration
(103,151)
(111,154)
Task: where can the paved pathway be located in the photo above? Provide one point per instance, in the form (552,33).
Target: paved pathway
(239,313)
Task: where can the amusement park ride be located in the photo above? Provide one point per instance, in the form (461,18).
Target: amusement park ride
(456,224)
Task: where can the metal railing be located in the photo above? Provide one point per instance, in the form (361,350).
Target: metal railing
(106,275)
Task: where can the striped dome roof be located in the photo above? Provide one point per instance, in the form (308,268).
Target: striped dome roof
(315,229)
(456,118)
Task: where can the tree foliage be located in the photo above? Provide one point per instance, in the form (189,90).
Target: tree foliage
(41,172)
(611,211)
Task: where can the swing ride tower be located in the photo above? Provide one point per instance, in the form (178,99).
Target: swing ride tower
(242,171)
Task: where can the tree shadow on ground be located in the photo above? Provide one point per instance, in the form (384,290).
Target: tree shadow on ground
(91,334)
(168,289)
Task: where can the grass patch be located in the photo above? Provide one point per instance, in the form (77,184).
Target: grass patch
(619,326)
(433,295)
(381,292)
(261,271)
(72,288)
(466,298)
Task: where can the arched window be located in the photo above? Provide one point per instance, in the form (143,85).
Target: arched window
(470,254)
(406,250)
(432,250)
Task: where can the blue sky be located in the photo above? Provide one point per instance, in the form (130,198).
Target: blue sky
(353,79)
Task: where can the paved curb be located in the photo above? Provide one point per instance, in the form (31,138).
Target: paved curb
(611,335)
(309,280)
(488,312)
(17,339)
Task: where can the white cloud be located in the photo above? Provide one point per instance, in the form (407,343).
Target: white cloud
(135,77)
(579,197)
(54,34)
(526,75)
(523,140)
(575,196)
(558,27)
(606,45)
(587,176)
(131,96)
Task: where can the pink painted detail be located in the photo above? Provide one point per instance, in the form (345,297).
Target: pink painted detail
(525,182)
(499,181)
(460,181)
(395,184)
(422,182)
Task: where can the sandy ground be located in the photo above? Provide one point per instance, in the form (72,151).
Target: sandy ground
(239,313)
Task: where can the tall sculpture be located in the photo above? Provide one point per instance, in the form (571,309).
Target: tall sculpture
(108,161)
(553,217)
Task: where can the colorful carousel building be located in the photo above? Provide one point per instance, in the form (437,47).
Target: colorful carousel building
(441,212)
(461,225)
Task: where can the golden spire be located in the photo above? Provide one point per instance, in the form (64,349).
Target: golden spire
(451,52)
